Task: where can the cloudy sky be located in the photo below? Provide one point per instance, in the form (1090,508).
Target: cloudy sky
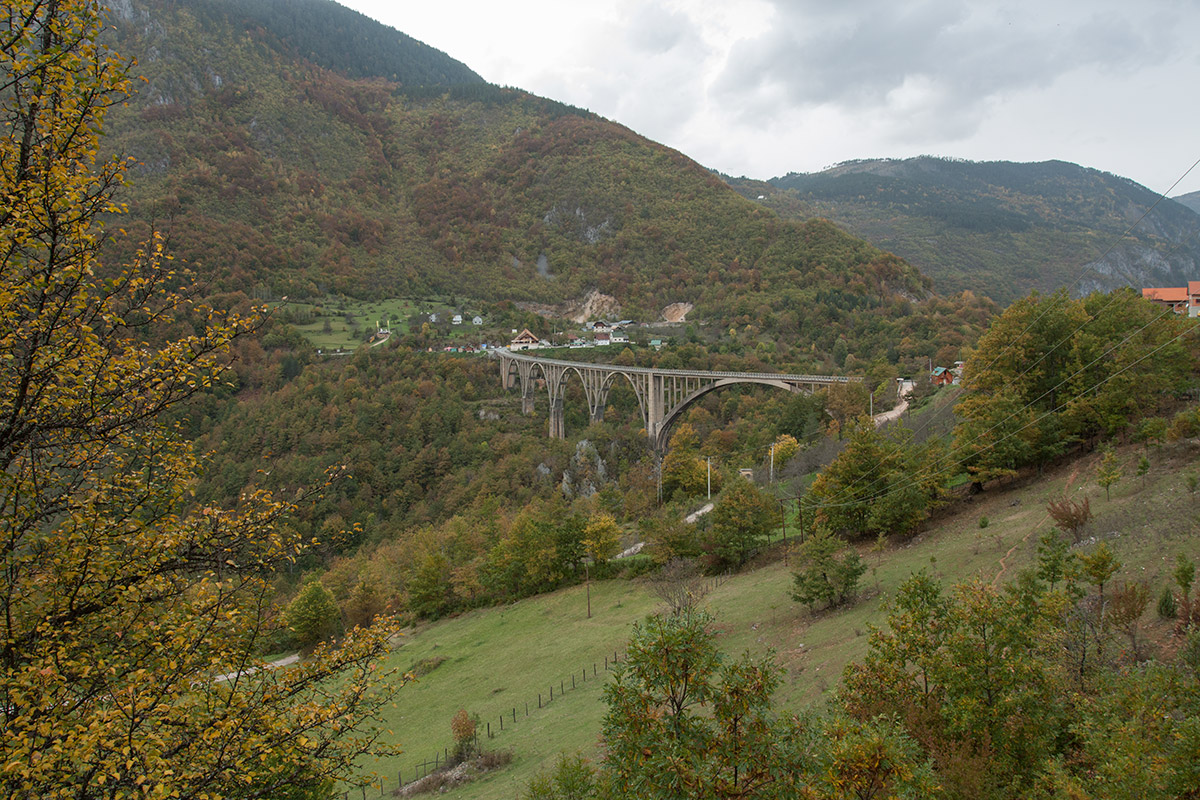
(766,87)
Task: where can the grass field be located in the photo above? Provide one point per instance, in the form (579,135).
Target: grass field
(493,661)
(341,323)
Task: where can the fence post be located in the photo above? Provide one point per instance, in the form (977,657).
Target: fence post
(527,705)
(539,699)
(514,713)
(572,680)
(501,722)
(489,730)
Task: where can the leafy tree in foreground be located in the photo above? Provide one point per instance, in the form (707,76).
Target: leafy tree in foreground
(684,722)
(965,676)
(129,615)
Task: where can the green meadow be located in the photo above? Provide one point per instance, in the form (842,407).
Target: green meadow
(344,324)
(494,661)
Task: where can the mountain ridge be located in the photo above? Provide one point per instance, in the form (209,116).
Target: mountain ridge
(997,227)
(276,176)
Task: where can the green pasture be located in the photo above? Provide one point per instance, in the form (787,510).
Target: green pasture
(342,323)
(495,660)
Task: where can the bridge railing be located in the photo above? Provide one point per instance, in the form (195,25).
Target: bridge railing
(681,373)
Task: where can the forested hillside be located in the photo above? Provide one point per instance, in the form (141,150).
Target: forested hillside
(282,176)
(1001,228)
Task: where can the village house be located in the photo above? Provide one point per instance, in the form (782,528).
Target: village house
(1180,299)
(524,341)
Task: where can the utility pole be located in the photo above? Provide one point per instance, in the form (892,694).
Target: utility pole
(658,475)
(800,508)
(772,480)
(587,577)
(872,404)
(783,514)
(708,460)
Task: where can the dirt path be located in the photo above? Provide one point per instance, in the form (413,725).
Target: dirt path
(888,416)
(1044,519)
(286,661)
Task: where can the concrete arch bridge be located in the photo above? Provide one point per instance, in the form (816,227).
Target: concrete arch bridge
(662,394)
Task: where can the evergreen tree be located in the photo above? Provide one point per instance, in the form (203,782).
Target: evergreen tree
(1108,472)
(823,577)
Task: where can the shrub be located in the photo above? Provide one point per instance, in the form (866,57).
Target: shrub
(983,522)
(1166,604)
(1069,516)
(823,577)
(462,726)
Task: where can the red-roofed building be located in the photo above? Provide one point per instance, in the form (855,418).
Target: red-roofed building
(1180,299)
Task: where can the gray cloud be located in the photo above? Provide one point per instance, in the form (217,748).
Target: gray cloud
(930,63)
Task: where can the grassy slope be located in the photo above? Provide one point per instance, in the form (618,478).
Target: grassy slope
(500,658)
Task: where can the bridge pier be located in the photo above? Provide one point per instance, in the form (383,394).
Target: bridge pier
(662,394)
(654,409)
(558,424)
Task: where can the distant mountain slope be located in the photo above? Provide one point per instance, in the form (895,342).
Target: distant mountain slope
(277,176)
(320,32)
(1000,228)
(1191,200)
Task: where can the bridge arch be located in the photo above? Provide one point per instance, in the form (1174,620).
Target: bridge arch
(662,394)
(664,428)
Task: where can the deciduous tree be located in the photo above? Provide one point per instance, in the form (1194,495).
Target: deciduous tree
(742,514)
(681,723)
(130,615)
(314,616)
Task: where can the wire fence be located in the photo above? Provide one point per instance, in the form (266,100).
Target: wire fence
(496,723)
(489,728)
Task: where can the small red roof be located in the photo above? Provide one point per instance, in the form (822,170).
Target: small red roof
(1170,294)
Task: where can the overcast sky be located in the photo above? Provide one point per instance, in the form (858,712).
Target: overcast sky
(766,87)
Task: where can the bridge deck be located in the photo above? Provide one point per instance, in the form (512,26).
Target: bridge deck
(683,373)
